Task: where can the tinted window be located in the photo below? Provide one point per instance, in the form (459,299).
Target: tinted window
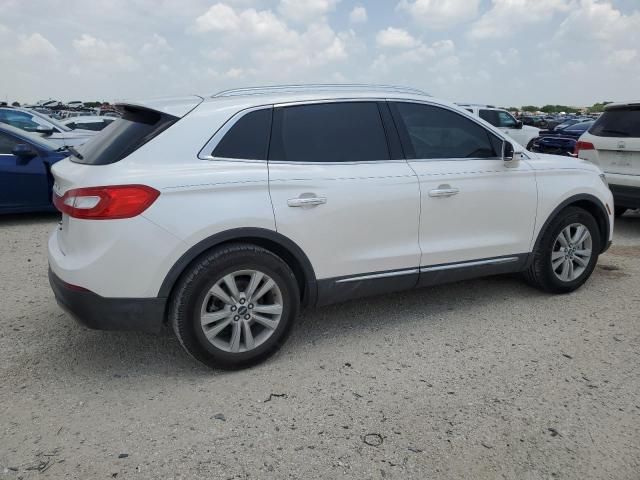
(329,132)
(7,143)
(248,138)
(579,127)
(124,136)
(433,132)
(618,123)
(490,116)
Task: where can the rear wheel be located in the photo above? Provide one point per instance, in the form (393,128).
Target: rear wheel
(235,306)
(567,253)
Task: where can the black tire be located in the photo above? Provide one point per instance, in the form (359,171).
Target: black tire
(540,273)
(530,145)
(619,211)
(194,285)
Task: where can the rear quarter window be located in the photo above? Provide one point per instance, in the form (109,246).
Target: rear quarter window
(248,138)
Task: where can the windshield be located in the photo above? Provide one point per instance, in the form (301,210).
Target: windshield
(52,121)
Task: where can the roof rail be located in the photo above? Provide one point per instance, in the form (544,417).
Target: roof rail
(475,105)
(310,87)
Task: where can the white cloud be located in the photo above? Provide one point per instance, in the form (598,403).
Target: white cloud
(623,57)
(36,45)
(107,55)
(358,15)
(506,16)
(157,45)
(306,10)
(395,38)
(440,13)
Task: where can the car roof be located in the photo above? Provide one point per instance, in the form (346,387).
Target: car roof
(621,105)
(273,94)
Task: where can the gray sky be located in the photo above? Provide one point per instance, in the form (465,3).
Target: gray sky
(507,52)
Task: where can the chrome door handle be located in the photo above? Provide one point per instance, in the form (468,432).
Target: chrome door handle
(444,192)
(306,201)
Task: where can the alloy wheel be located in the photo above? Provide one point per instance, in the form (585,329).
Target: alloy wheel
(571,252)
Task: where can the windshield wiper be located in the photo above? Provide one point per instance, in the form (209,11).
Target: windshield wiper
(71,150)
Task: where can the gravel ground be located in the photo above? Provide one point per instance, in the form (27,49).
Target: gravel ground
(480,379)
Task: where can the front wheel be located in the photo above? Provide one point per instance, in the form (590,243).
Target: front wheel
(567,253)
(235,306)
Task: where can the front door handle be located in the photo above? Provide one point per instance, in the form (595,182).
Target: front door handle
(306,201)
(444,191)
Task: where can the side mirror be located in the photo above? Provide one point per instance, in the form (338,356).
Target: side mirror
(519,125)
(24,152)
(44,130)
(510,156)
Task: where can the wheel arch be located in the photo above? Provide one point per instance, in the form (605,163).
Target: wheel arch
(591,204)
(273,241)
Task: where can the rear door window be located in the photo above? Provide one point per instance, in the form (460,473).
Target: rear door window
(619,122)
(248,138)
(124,136)
(7,143)
(430,132)
(329,132)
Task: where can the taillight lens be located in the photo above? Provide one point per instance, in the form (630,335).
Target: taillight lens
(106,203)
(582,146)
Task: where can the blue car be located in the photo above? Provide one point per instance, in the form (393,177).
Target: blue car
(25,170)
(562,142)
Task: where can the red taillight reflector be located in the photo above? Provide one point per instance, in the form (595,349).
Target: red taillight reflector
(583,146)
(106,203)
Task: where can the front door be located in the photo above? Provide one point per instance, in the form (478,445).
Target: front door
(475,208)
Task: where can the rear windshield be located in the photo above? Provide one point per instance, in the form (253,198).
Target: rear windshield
(623,122)
(124,136)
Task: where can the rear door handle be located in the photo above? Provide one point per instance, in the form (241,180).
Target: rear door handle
(444,192)
(306,201)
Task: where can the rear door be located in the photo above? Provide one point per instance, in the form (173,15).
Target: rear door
(616,136)
(343,193)
(24,184)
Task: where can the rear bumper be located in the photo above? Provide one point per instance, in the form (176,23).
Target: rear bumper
(100,313)
(625,196)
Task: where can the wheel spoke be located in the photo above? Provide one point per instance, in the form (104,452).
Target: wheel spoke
(583,237)
(230,282)
(271,309)
(556,263)
(215,331)
(557,255)
(582,262)
(583,253)
(564,274)
(575,239)
(217,292)
(562,238)
(235,337)
(249,342)
(570,270)
(268,285)
(256,278)
(267,322)
(212,317)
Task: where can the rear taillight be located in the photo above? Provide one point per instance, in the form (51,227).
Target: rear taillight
(106,203)
(582,146)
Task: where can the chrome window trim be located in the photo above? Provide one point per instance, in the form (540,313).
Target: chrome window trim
(220,133)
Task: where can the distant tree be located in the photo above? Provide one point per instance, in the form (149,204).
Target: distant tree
(92,104)
(15,104)
(597,107)
(530,108)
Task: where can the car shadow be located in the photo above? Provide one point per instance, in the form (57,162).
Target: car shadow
(97,353)
(19,219)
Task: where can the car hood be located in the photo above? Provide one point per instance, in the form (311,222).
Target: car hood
(529,128)
(544,161)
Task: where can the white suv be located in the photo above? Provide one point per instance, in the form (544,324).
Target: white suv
(223,215)
(613,143)
(523,134)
